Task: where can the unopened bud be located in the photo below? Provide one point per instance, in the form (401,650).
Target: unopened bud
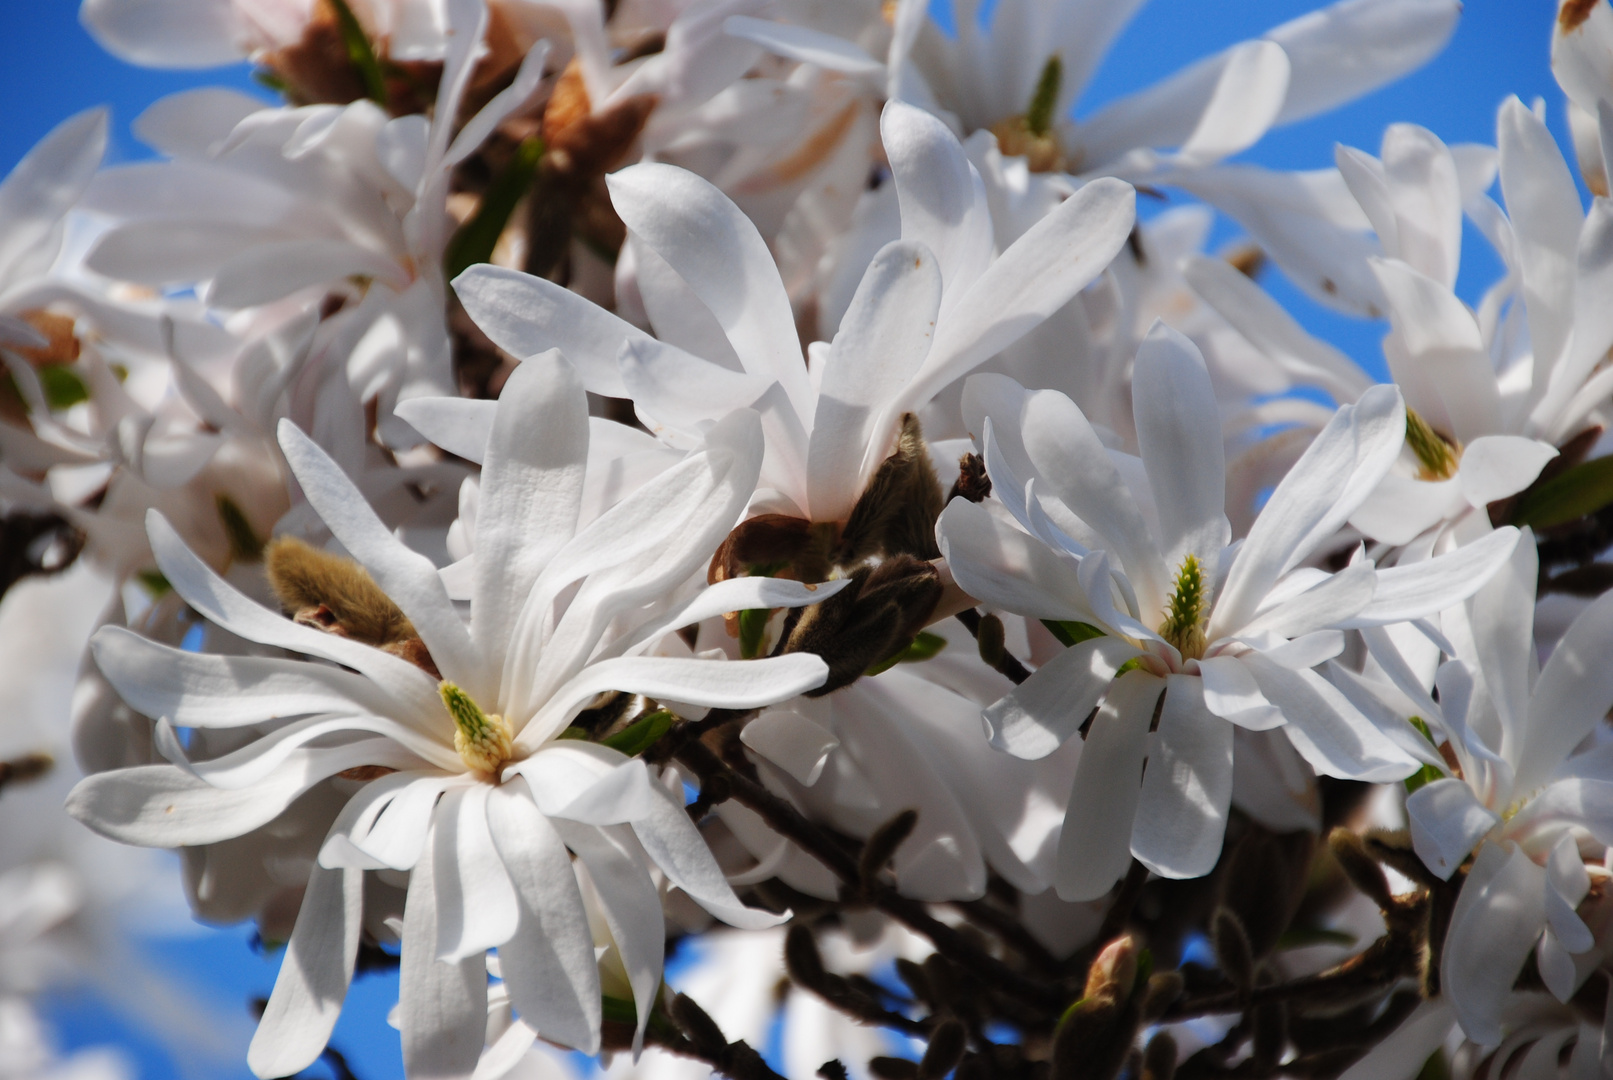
(1232,952)
(1113,971)
(1159,1059)
(893,1068)
(947,1044)
(801,958)
(1359,866)
(990,640)
(1161,993)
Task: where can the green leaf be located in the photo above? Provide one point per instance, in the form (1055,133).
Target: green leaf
(574,732)
(245,544)
(1573,493)
(473,242)
(1071,633)
(923,647)
(1298,937)
(272,80)
(641,734)
(1428,773)
(155,584)
(360,52)
(63,388)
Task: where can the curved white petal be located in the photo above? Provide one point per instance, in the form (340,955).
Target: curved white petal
(442,1006)
(1038,716)
(1498,919)
(1187,786)
(1447,820)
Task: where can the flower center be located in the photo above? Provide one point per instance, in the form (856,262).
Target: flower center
(1184,616)
(484,741)
(1031,135)
(1437,455)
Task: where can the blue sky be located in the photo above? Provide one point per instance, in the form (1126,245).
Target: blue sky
(49,69)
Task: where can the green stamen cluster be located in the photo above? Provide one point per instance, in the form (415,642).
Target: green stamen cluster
(1437,457)
(1183,625)
(484,741)
(1039,117)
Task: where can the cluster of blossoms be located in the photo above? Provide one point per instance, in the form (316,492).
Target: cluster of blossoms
(582,483)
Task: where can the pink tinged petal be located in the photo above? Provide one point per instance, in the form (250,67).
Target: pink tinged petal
(1329,602)
(719,253)
(1348,49)
(1076,467)
(531,490)
(1006,568)
(1447,821)
(1039,273)
(1046,709)
(476,904)
(804,45)
(883,338)
(1187,786)
(1269,328)
(718,684)
(1095,843)
(1442,338)
(627,897)
(941,196)
(1331,479)
(220,603)
(526,315)
(1325,728)
(1231,693)
(1405,1050)
(1571,696)
(314,975)
(1567,882)
(1543,204)
(406,576)
(201,690)
(792,742)
(1495,466)
(164,806)
(1424,588)
(1498,918)
(548,964)
(1179,434)
(442,1006)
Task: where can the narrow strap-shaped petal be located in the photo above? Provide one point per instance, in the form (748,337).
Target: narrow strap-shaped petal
(442,1006)
(358,818)
(1567,882)
(1187,786)
(164,806)
(531,492)
(1425,588)
(1543,204)
(397,837)
(527,79)
(734,594)
(941,196)
(1498,918)
(1571,696)
(1095,844)
(314,975)
(1039,714)
(219,602)
(203,690)
(804,45)
(1351,48)
(406,576)
(1325,728)
(1231,693)
(1338,597)
(49,180)
(1447,821)
(715,248)
(1006,568)
(476,903)
(548,964)
(460,426)
(262,757)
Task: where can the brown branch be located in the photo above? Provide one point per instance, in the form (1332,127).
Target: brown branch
(1006,662)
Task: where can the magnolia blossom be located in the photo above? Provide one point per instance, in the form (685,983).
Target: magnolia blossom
(479,799)
(1133,561)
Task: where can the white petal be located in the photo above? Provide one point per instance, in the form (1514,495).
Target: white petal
(1571,696)
(406,576)
(162,34)
(1447,820)
(164,806)
(883,338)
(941,196)
(719,253)
(1038,716)
(512,97)
(1495,466)
(1543,204)
(1567,882)
(1095,843)
(549,964)
(1424,588)
(460,426)
(1230,692)
(1405,1050)
(1402,508)
(277,268)
(1187,786)
(443,1006)
(1498,919)
(1593,321)
(804,45)
(1348,49)
(1325,728)
(1327,603)
(792,742)
(476,904)
(1006,568)
(734,594)
(314,975)
(1179,433)
(1422,183)
(1248,95)
(48,180)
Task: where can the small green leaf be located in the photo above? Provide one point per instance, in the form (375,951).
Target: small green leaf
(923,647)
(360,52)
(245,544)
(1133,664)
(155,584)
(1071,633)
(474,241)
(1428,773)
(752,624)
(641,734)
(574,732)
(63,388)
(1298,937)
(1573,493)
(1039,117)
(272,80)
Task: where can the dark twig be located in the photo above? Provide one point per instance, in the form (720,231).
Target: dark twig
(1004,661)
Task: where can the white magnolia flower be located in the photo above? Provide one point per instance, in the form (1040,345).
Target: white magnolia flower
(481,798)
(931,307)
(1135,557)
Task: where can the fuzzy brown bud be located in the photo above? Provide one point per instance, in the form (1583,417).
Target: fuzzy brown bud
(1159,1059)
(947,1044)
(869,620)
(698,1027)
(801,957)
(1360,867)
(1231,943)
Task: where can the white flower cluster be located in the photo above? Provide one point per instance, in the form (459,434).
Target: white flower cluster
(579,470)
